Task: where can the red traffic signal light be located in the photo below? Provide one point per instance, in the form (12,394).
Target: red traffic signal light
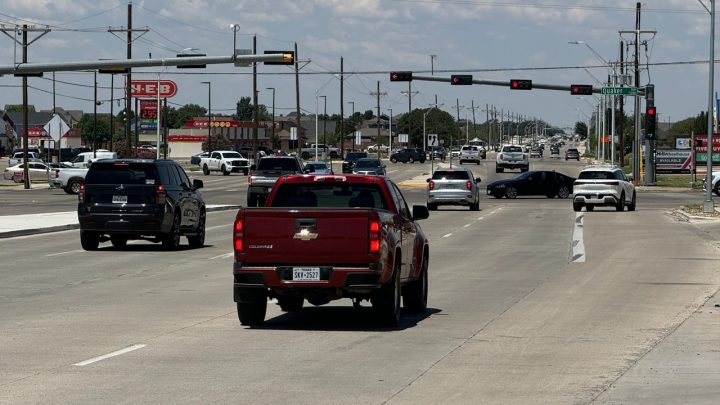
(461,79)
(581,89)
(650,111)
(521,84)
(400,76)
(650,122)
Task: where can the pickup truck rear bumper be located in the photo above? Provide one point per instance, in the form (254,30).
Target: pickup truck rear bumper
(513,165)
(281,277)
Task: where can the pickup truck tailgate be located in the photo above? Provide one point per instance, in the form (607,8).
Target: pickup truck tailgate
(308,237)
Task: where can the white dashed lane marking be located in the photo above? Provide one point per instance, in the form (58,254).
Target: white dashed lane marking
(578,245)
(107,356)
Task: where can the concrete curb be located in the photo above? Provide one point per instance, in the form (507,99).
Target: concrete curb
(60,228)
(685,216)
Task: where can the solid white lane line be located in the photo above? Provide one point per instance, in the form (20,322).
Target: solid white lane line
(224,256)
(64,253)
(578,245)
(448,235)
(107,356)
(466,225)
(218,226)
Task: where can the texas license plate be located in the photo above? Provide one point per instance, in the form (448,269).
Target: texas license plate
(119,199)
(306,273)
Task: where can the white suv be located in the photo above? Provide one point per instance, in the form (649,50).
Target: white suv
(602,185)
(471,153)
(715,183)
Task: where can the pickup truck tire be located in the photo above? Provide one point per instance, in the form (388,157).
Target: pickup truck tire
(577,207)
(224,170)
(415,293)
(305,155)
(290,304)
(171,240)
(73,187)
(198,240)
(206,170)
(411,160)
(589,208)
(89,240)
(386,302)
(717,188)
(510,192)
(499,169)
(251,307)
(393,160)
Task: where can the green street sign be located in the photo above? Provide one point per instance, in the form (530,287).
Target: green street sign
(625,91)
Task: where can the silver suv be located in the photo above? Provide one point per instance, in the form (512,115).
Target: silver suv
(453,187)
(602,185)
(471,153)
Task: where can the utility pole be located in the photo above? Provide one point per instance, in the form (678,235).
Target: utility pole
(342,112)
(621,137)
(472,106)
(378,94)
(353,118)
(297,100)
(25,44)
(95,104)
(636,143)
(324,120)
(112,127)
(255,101)
(487,121)
(409,93)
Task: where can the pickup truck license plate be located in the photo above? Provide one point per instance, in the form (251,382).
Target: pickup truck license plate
(119,199)
(306,273)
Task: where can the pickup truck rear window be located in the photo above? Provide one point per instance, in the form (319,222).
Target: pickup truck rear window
(450,175)
(121,173)
(512,149)
(324,195)
(289,165)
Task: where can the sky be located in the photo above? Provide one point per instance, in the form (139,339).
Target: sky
(490,39)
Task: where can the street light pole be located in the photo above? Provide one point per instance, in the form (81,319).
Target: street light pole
(324,120)
(390,134)
(316,124)
(709,205)
(273,113)
(209,115)
(353,118)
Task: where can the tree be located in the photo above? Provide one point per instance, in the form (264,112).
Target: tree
(581,129)
(177,118)
(94,136)
(436,122)
(18,108)
(219,142)
(244,110)
(368,115)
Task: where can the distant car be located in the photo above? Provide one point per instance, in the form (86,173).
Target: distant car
(438,152)
(17,157)
(350,159)
(408,155)
(453,187)
(603,185)
(140,199)
(372,166)
(536,182)
(536,151)
(455,153)
(572,153)
(471,153)
(195,159)
(36,170)
(554,150)
(317,168)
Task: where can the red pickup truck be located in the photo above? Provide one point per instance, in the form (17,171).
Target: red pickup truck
(325,237)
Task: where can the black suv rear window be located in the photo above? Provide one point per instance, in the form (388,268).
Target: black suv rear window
(326,195)
(122,173)
(355,156)
(450,175)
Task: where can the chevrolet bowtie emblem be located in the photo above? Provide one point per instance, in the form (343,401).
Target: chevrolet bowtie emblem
(305,234)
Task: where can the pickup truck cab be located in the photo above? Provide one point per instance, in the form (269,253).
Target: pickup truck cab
(329,151)
(263,176)
(512,157)
(225,162)
(17,158)
(326,237)
(84,160)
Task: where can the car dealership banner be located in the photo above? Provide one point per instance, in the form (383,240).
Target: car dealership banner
(673,160)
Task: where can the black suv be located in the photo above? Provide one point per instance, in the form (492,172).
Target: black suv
(408,156)
(140,199)
(350,159)
(438,152)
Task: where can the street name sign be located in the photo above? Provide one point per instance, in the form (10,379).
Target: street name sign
(625,91)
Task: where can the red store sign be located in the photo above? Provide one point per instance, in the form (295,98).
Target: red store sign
(149,88)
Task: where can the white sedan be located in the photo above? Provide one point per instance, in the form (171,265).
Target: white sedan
(37,171)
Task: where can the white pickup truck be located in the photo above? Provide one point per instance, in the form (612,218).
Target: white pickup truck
(84,160)
(329,151)
(226,162)
(512,157)
(69,179)
(17,158)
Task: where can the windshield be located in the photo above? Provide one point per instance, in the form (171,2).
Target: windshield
(232,155)
(121,173)
(287,164)
(512,149)
(318,165)
(355,156)
(324,195)
(596,175)
(450,175)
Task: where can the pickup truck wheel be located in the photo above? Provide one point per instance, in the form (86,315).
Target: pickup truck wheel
(499,169)
(589,208)
(290,304)
(305,155)
(563,192)
(171,240)
(577,207)
(411,160)
(386,302)
(415,293)
(224,171)
(89,240)
(621,203)
(206,170)
(118,242)
(393,160)
(511,192)
(251,310)
(717,188)
(198,240)
(432,207)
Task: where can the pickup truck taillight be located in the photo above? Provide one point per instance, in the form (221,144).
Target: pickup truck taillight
(374,236)
(431,185)
(160,195)
(468,185)
(238,235)
(249,177)
(57,173)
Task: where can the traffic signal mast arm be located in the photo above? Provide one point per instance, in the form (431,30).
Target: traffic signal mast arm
(502,83)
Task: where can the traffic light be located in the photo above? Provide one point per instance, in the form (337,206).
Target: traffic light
(650,121)
(521,84)
(461,79)
(581,89)
(288,58)
(400,76)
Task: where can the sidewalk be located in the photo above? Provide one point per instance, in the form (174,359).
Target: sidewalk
(32,224)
